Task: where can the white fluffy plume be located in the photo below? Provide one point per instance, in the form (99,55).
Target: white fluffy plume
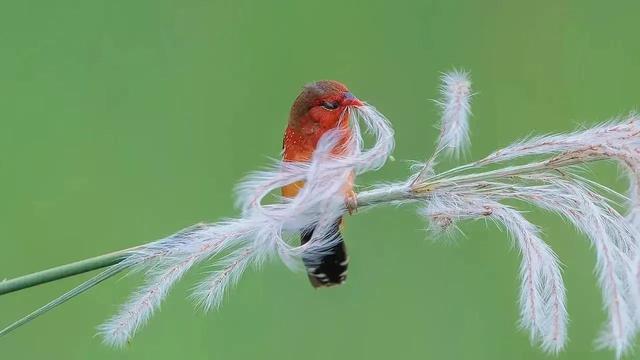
(456,109)
(455,106)
(544,176)
(542,294)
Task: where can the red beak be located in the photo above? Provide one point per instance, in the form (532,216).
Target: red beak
(350,100)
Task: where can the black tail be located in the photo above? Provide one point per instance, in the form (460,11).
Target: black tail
(331,268)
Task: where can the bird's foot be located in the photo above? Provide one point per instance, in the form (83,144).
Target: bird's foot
(351,202)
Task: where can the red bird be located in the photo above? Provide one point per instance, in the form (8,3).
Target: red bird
(320,107)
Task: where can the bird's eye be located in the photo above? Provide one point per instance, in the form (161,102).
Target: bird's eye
(330,105)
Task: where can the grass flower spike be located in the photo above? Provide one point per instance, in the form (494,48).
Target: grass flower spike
(541,171)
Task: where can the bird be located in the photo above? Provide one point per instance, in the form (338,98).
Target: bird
(320,107)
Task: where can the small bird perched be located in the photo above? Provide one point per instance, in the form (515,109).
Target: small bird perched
(320,107)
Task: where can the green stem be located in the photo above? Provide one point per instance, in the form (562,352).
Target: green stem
(111,271)
(62,271)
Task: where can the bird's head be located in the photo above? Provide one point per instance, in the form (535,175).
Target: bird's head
(323,102)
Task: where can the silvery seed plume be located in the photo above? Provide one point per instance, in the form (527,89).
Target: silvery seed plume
(455,107)
(612,238)
(541,171)
(542,295)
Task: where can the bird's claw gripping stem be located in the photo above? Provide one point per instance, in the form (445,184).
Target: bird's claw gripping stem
(351,202)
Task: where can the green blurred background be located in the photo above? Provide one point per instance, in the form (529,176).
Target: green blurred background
(123,121)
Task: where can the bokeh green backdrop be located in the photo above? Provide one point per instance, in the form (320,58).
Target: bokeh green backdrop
(123,121)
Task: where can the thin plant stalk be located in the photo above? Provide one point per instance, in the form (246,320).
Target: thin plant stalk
(63,271)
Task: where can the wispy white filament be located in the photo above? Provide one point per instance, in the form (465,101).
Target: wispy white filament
(210,292)
(170,259)
(615,244)
(617,133)
(542,293)
(455,106)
